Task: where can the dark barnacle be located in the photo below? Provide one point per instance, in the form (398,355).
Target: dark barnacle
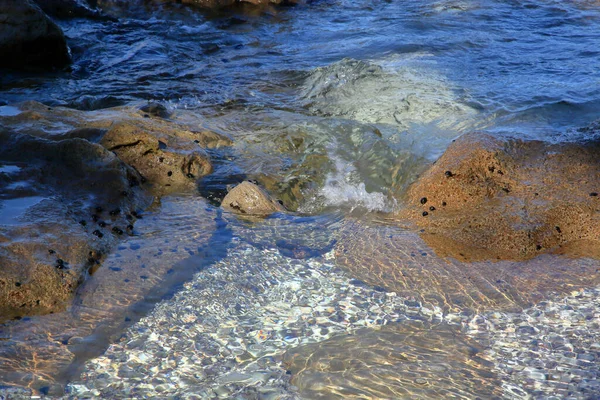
(51,251)
(102,224)
(95,218)
(170,173)
(99,209)
(432,208)
(448,174)
(98,233)
(423,200)
(116,211)
(425,213)
(118,231)
(82,222)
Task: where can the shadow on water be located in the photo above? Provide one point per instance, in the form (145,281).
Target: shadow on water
(208,254)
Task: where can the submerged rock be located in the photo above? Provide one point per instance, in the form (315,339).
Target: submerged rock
(249,199)
(494,199)
(55,229)
(398,259)
(401,360)
(67,199)
(29,39)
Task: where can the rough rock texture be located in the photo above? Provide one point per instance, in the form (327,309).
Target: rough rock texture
(249,199)
(68,200)
(29,39)
(164,161)
(80,195)
(492,199)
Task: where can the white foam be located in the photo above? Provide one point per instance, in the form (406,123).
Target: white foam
(343,188)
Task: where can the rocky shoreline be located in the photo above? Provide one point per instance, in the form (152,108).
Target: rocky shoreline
(482,277)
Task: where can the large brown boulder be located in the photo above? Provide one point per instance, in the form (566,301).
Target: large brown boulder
(29,39)
(487,198)
(249,199)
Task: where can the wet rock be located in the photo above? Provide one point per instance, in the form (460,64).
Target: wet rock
(50,189)
(64,9)
(249,199)
(156,110)
(225,3)
(29,39)
(168,164)
(399,260)
(509,199)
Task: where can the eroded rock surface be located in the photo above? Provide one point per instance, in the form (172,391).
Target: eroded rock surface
(29,39)
(80,196)
(491,199)
(67,199)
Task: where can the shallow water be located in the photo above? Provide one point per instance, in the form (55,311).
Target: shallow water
(343,101)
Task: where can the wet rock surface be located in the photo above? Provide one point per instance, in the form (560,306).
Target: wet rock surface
(488,198)
(29,39)
(167,163)
(68,200)
(248,198)
(169,243)
(73,185)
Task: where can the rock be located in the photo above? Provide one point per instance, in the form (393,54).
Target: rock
(513,200)
(165,161)
(249,199)
(63,191)
(64,9)
(49,235)
(29,39)
(156,110)
(398,259)
(225,3)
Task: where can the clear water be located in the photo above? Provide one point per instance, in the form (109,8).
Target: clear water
(374,85)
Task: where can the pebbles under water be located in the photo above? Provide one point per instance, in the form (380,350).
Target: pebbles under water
(225,335)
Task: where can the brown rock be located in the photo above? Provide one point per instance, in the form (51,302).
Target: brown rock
(49,236)
(29,39)
(512,200)
(249,199)
(399,260)
(164,161)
